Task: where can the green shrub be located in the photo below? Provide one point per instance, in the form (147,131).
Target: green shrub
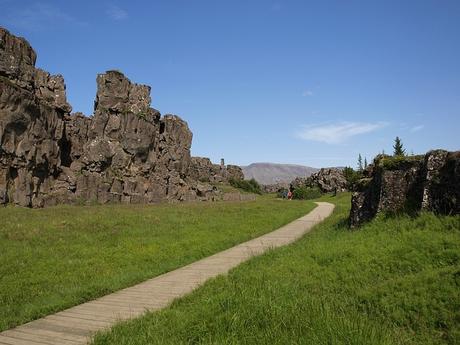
(352,176)
(306,193)
(251,186)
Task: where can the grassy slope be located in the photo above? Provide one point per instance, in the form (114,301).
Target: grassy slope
(395,281)
(58,257)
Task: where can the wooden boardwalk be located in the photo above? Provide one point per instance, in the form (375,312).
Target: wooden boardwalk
(77,325)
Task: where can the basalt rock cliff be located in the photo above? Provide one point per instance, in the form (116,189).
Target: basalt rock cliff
(126,152)
(428,182)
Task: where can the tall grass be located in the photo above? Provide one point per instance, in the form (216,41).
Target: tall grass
(394,281)
(57,257)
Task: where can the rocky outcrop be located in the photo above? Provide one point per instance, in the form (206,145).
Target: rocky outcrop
(32,109)
(328,180)
(234,172)
(393,184)
(203,170)
(126,152)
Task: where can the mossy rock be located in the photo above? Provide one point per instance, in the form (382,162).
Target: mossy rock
(400,162)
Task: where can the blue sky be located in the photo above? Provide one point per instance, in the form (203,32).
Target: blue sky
(306,82)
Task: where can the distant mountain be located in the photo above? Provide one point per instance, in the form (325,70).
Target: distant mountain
(271,173)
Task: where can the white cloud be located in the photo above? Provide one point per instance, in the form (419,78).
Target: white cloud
(307,93)
(417,128)
(335,133)
(116,13)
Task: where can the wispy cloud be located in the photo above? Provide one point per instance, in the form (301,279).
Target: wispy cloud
(307,93)
(336,133)
(116,13)
(417,128)
(39,16)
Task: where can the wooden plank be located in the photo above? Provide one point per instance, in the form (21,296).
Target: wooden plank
(57,335)
(41,324)
(37,337)
(78,321)
(15,341)
(88,316)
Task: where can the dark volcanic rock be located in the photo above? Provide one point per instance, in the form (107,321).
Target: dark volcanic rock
(17,60)
(32,108)
(413,183)
(126,152)
(327,180)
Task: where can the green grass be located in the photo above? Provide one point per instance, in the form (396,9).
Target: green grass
(58,257)
(394,281)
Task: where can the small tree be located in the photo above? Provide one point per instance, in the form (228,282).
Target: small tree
(398,148)
(365,163)
(352,177)
(360,163)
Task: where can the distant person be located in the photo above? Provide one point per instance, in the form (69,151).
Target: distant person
(285,194)
(289,195)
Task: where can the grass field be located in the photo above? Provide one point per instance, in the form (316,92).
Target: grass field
(395,281)
(58,257)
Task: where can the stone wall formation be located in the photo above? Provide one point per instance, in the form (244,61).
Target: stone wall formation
(429,182)
(125,152)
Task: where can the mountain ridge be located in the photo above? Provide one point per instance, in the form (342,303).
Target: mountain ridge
(271,173)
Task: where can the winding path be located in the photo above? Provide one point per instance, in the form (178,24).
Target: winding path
(76,325)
